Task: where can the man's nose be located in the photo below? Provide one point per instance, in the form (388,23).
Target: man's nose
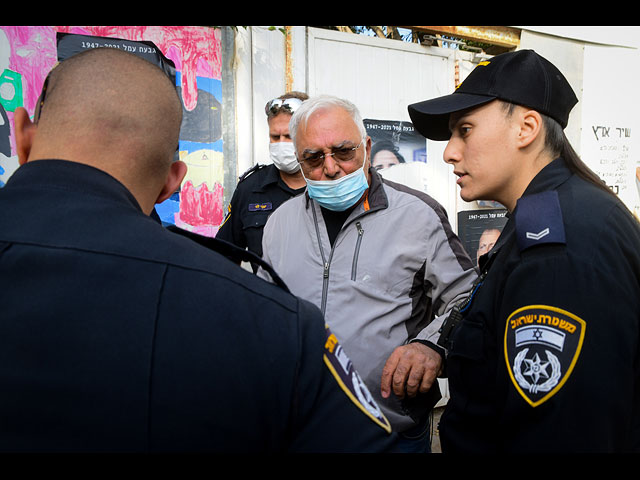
(331,168)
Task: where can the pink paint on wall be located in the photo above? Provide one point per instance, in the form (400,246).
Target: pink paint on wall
(194,50)
(200,208)
(32,54)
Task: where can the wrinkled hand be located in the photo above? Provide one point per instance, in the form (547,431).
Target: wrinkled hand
(410,369)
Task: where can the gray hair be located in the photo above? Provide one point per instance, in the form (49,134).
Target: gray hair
(322,102)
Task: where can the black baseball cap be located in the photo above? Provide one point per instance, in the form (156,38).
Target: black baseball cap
(522,77)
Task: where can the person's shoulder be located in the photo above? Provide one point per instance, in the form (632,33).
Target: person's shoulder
(254,173)
(201,267)
(255,178)
(415,203)
(539,220)
(580,215)
(588,205)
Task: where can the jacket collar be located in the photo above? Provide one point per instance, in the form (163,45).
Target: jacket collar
(549,178)
(71,176)
(377,197)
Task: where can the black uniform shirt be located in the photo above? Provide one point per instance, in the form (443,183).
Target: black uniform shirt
(117,335)
(546,357)
(259,192)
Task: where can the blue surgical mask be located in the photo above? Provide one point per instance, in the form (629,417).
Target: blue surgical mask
(341,194)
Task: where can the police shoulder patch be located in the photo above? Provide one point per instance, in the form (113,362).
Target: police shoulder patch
(541,347)
(538,220)
(349,380)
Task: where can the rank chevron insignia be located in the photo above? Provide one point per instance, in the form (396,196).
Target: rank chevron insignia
(538,236)
(538,220)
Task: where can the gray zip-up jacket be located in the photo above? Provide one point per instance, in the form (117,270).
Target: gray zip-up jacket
(394,272)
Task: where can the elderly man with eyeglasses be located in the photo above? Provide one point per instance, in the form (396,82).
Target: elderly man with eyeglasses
(264,187)
(378,258)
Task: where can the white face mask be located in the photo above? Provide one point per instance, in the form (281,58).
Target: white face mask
(283,156)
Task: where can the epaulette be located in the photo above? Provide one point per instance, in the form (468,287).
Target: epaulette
(538,220)
(253,169)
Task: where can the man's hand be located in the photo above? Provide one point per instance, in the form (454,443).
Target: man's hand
(410,369)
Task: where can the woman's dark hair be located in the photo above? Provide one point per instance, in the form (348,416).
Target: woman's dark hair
(381,145)
(558,145)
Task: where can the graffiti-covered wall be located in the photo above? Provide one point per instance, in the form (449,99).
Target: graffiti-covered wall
(27,53)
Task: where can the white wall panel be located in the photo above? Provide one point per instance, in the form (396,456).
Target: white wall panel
(381,76)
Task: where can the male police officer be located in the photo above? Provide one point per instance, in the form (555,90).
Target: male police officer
(545,355)
(264,188)
(118,335)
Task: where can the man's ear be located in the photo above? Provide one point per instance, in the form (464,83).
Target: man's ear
(530,127)
(177,171)
(368,143)
(24,131)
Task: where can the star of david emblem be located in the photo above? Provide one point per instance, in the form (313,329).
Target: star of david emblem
(542,346)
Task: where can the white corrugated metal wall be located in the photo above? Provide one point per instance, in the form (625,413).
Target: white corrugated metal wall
(382,77)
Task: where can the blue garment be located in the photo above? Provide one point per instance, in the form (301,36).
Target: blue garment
(416,439)
(117,335)
(546,357)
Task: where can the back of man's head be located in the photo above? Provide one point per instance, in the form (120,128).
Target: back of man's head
(112,110)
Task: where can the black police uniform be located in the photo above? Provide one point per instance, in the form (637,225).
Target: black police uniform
(259,192)
(546,357)
(117,335)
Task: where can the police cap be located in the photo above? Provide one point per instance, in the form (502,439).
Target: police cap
(522,77)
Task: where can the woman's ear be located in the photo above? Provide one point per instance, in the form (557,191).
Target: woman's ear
(24,131)
(530,127)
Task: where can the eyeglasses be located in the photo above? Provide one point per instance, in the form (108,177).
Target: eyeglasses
(275,106)
(340,154)
(40,102)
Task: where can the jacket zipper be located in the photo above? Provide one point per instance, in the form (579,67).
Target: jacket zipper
(354,264)
(327,263)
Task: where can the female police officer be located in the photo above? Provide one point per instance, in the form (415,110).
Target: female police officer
(544,356)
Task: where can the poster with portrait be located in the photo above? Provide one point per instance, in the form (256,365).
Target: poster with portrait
(398,152)
(394,142)
(479,230)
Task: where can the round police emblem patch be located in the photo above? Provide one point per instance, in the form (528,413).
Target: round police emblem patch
(541,346)
(350,381)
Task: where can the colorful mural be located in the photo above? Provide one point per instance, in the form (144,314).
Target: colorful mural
(27,53)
